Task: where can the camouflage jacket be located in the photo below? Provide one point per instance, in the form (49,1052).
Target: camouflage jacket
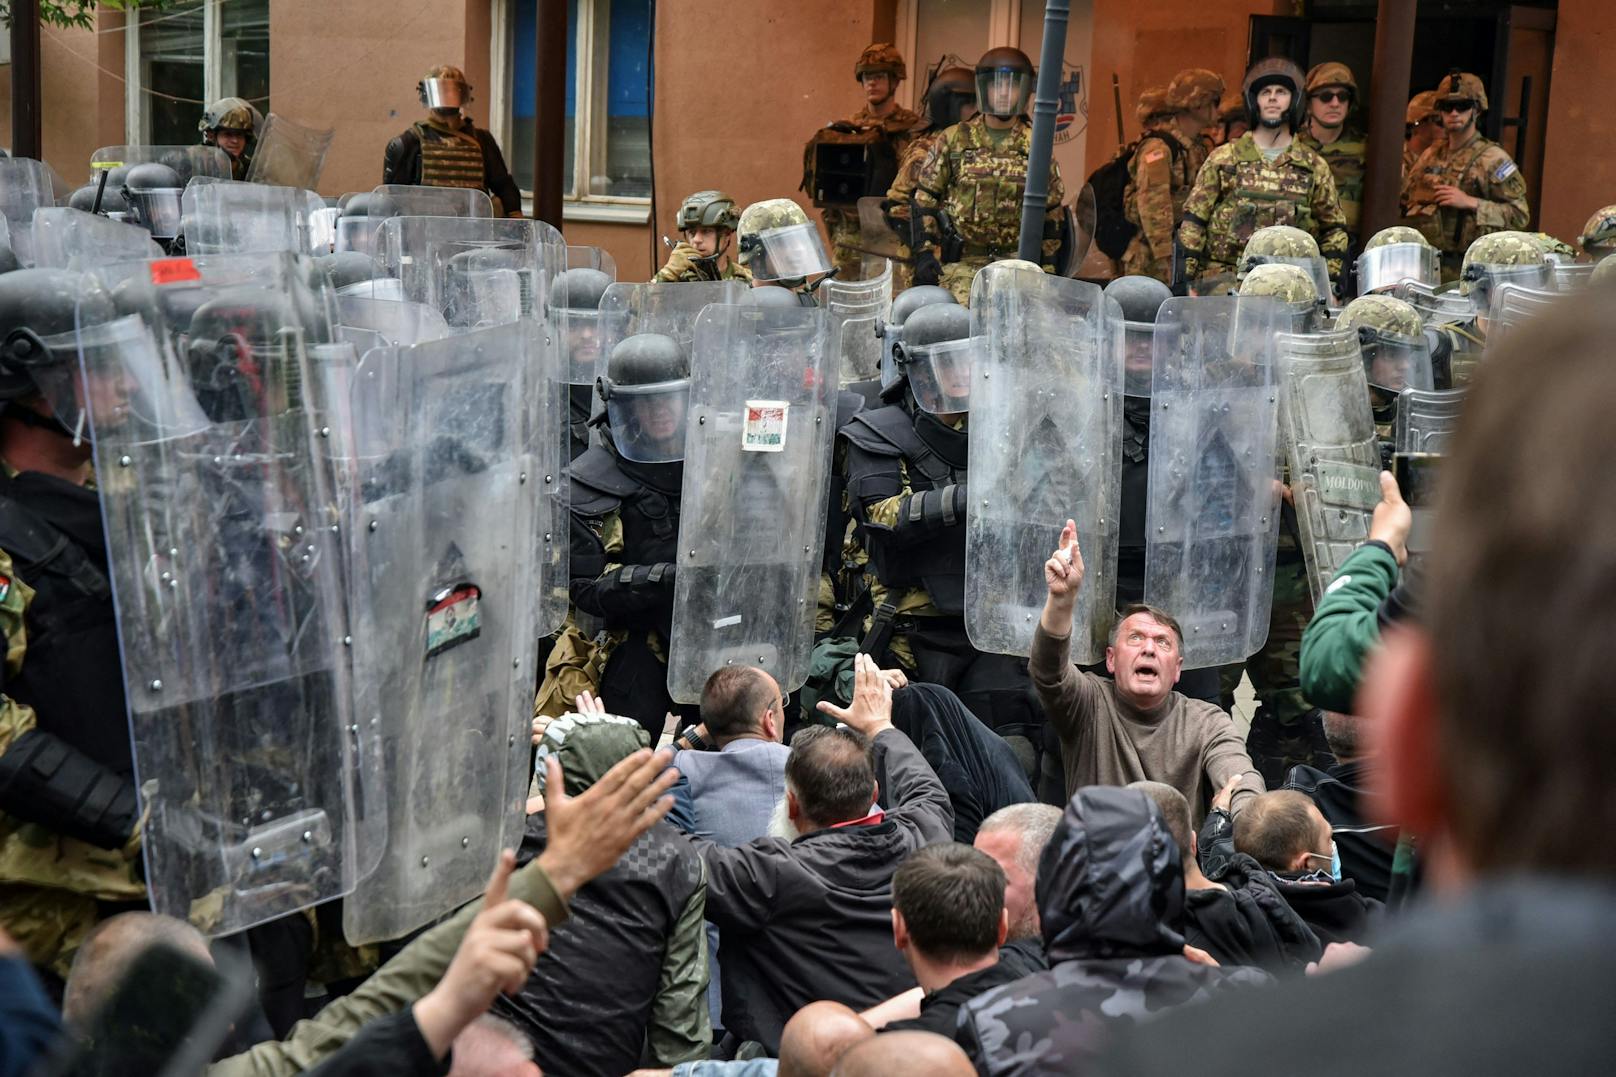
(902,190)
(685,266)
(1160,175)
(1479,168)
(976,176)
(1345,156)
(1238,192)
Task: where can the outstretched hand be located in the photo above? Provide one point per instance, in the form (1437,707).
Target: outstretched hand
(588,832)
(1063,572)
(871,710)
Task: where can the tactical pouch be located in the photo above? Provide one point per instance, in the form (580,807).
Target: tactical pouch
(845,165)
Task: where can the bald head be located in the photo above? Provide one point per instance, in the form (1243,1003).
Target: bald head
(893,1054)
(816,1036)
(109,950)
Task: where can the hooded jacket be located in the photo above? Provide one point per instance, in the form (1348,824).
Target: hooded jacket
(1111,897)
(1249,923)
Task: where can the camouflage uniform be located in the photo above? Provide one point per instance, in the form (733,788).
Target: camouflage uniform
(976,176)
(1391,318)
(1238,192)
(843,224)
(1599,234)
(1345,156)
(685,266)
(1160,177)
(1478,167)
(914,157)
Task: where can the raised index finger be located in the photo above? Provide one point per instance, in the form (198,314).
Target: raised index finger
(499,883)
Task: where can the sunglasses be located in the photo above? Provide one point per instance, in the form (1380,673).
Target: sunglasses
(1454,106)
(1330,97)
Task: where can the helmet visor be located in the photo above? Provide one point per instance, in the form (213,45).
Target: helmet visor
(157,210)
(109,376)
(940,374)
(1003,92)
(1395,363)
(648,421)
(791,252)
(1313,265)
(376,288)
(1386,267)
(478,298)
(1138,351)
(1484,280)
(578,335)
(443,93)
(356,234)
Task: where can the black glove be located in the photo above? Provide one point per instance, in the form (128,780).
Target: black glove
(634,589)
(928,270)
(45,780)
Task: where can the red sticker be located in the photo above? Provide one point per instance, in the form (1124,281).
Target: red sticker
(174,270)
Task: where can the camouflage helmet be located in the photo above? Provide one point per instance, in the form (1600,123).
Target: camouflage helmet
(880,57)
(770,213)
(708,209)
(777,241)
(1397,233)
(1605,271)
(1500,250)
(1152,107)
(1331,73)
(230,114)
(1461,84)
(1421,107)
(1599,234)
(1280,241)
(1274,71)
(1291,284)
(1385,315)
(1556,250)
(1194,87)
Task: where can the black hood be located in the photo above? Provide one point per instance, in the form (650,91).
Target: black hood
(1110,883)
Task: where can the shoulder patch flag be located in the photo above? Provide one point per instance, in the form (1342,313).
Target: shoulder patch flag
(1504,171)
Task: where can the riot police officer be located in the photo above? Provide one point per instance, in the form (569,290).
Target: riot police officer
(707,219)
(445,149)
(573,309)
(232,123)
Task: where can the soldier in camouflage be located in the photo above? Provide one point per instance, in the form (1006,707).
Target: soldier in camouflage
(232,123)
(1388,329)
(1164,167)
(1381,272)
(1422,127)
(446,149)
(1331,94)
(779,245)
(950,99)
(969,190)
(1599,234)
(1464,186)
(1492,259)
(707,219)
(1280,244)
(879,70)
(1265,177)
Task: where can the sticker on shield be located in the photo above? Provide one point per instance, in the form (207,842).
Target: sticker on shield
(452,618)
(765,428)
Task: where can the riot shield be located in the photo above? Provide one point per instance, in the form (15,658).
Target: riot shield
(1513,305)
(1212,514)
(72,239)
(1436,306)
(399,323)
(857,307)
(25,185)
(591,258)
(443,615)
(475,272)
(1328,431)
(222,536)
(1081,218)
(1045,430)
(224,217)
(1384,268)
(410,200)
(549,447)
(1571,276)
(669,309)
(188,161)
(288,155)
(756,480)
(1426,419)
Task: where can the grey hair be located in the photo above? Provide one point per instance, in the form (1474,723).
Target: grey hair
(1031,823)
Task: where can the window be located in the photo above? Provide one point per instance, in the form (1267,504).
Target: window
(607,162)
(179,57)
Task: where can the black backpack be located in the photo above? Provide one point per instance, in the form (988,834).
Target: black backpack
(1113,231)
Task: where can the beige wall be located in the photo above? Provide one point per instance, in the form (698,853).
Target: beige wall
(1579,159)
(83,108)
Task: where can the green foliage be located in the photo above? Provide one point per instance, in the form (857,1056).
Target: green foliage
(78,13)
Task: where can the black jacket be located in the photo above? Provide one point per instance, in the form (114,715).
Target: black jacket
(1249,923)
(974,763)
(1111,898)
(389,1046)
(939,1011)
(1366,849)
(1334,910)
(402,164)
(812,918)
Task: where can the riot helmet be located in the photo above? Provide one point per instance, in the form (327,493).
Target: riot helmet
(891,330)
(111,198)
(153,193)
(357,274)
(1394,255)
(646,390)
(1391,336)
(46,316)
(952,91)
(1599,234)
(1281,244)
(1003,82)
(1292,286)
(573,308)
(234,335)
(444,89)
(1274,71)
(937,354)
(1138,299)
(772,295)
(487,285)
(1497,258)
(779,243)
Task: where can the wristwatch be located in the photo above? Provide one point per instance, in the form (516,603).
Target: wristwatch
(692,740)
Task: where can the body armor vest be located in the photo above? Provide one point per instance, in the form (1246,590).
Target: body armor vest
(450,159)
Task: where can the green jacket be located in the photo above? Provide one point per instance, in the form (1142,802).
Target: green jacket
(1345,626)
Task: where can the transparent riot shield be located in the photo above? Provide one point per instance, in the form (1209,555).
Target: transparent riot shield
(549,442)
(756,480)
(1328,431)
(443,615)
(188,161)
(25,186)
(475,272)
(410,200)
(224,217)
(399,323)
(1045,430)
(222,532)
(1426,419)
(857,307)
(1212,513)
(591,258)
(1514,305)
(72,239)
(1436,306)
(289,155)
(669,309)
(1571,276)
(1384,268)
(1081,217)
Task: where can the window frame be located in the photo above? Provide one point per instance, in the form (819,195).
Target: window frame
(134,96)
(590,92)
